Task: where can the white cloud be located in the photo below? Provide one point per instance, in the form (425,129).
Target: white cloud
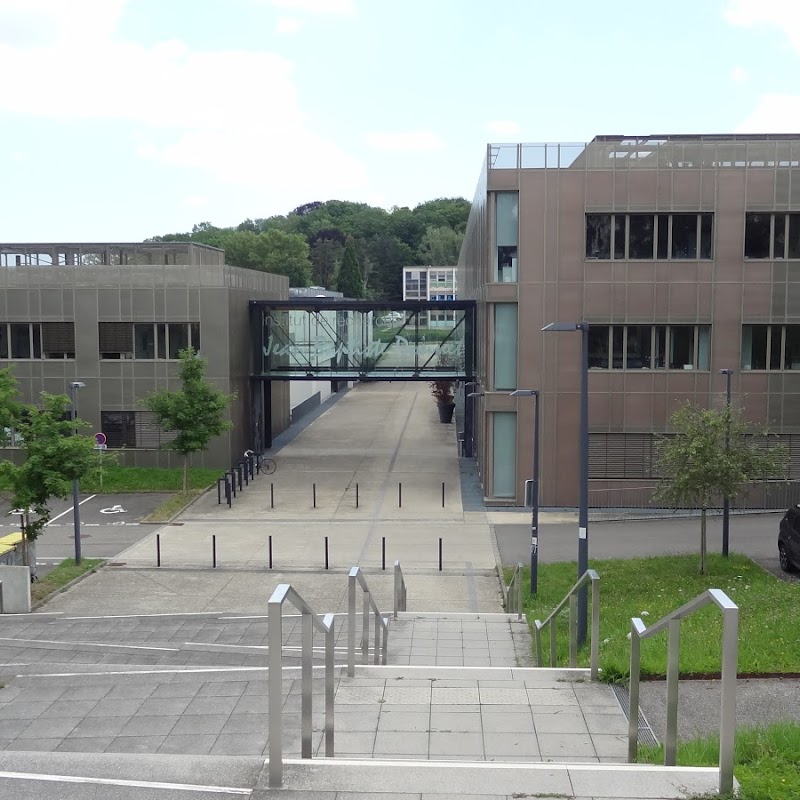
(288,25)
(196,200)
(781,14)
(407,142)
(254,133)
(316,6)
(503,127)
(775,113)
(739,74)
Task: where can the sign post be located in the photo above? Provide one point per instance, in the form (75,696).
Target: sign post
(100,445)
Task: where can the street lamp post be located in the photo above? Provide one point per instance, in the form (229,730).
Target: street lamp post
(535,486)
(726,501)
(583,483)
(469,419)
(76,506)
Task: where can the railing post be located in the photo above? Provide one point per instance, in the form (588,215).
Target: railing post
(538,636)
(329,687)
(396,587)
(573,630)
(351,623)
(553,656)
(385,648)
(673,671)
(365,627)
(727,722)
(275,699)
(595,657)
(633,692)
(306,673)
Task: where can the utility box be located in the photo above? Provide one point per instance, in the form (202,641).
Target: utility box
(15,590)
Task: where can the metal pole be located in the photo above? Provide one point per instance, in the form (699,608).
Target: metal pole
(76,492)
(399,495)
(272,495)
(158,549)
(314,493)
(214,550)
(326,552)
(726,502)
(383,553)
(440,554)
(356,495)
(535,504)
(270,551)
(583,510)
(442,494)
(275,693)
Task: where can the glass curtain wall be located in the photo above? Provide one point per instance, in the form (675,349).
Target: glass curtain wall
(506,231)
(505,346)
(504,454)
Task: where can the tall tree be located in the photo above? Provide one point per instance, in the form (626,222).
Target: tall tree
(388,256)
(326,255)
(195,413)
(285,254)
(713,454)
(54,457)
(350,282)
(440,247)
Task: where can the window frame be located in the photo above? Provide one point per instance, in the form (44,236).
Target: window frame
(36,343)
(161,341)
(655,329)
(782,331)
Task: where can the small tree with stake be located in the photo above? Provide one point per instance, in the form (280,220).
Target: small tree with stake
(196,413)
(697,466)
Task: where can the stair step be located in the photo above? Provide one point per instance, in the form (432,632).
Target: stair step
(423,671)
(622,782)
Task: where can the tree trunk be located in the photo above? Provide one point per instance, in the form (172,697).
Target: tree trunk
(186,473)
(703,540)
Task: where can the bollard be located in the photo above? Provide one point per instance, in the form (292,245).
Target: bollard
(219,491)
(257,461)
(442,494)
(314,494)
(399,495)
(245,472)
(383,553)
(251,467)
(158,549)
(238,469)
(326,552)
(214,550)
(233,481)
(270,551)
(440,554)
(272,495)
(356,495)
(228,497)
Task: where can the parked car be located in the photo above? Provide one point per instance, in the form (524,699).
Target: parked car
(789,540)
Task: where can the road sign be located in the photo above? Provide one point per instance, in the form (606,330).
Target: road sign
(100,438)
(101,447)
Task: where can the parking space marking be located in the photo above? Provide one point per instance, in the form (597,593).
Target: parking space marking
(70,510)
(33,642)
(176,787)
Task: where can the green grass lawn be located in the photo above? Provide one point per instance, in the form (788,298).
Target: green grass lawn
(61,575)
(651,587)
(117,478)
(766,760)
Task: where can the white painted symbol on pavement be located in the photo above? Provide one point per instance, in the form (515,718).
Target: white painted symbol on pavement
(113,510)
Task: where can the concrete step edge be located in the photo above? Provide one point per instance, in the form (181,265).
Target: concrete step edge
(461,615)
(477,673)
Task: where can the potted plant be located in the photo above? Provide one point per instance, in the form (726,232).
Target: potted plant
(442,391)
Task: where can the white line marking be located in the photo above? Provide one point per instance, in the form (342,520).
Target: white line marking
(194,671)
(69,510)
(88,644)
(178,787)
(166,614)
(262,647)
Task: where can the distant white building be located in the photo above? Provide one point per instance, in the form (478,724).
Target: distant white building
(431,283)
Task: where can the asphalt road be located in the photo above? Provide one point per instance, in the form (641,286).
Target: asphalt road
(109,524)
(754,535)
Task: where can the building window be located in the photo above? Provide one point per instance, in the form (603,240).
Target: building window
(504,454)
(133,429)
(506,231)
(147,340)
(34,340)
(775,347)
(649,347)
(623,456)
(771,235)
(505,346)
(644,237)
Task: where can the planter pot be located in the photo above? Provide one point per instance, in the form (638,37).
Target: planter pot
(446,412)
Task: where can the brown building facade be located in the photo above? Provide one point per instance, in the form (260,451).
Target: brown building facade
(683,255)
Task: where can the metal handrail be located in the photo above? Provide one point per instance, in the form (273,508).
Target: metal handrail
(513,594)
(730,650)
(381,623)
(400,593)
(310,620)
(572,598)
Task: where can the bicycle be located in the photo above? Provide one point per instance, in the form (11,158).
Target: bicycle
(264,464)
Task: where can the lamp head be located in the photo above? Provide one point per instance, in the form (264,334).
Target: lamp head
(525,393)
(565,326)
(726,372)
(77,385)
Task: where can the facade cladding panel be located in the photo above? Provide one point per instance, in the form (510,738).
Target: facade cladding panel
(114,316)
(683,255)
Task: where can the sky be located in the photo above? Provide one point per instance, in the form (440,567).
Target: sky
(124,119)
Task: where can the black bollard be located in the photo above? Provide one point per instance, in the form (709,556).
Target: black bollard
(356,495)
(383,553)
(228,498)
(214,550)
(314,494)
(270,551)
(399,495)
(442,494)
(158,549)
(440,554)
(272,495)
(326,552)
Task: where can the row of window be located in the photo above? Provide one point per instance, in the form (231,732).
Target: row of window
(772,235)
(649,236)
(771,347)
(133,429)
(147,340)
(649,346)
(117,340)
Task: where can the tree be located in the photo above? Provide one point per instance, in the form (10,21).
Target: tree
(388,256)
(326,255)
(698,464)
(440,247)
(196,413)
(285,254)
(350,282)
(54,457)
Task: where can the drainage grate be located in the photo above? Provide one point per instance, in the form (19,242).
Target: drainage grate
(646,735)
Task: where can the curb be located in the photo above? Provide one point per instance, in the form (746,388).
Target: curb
(37,605)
